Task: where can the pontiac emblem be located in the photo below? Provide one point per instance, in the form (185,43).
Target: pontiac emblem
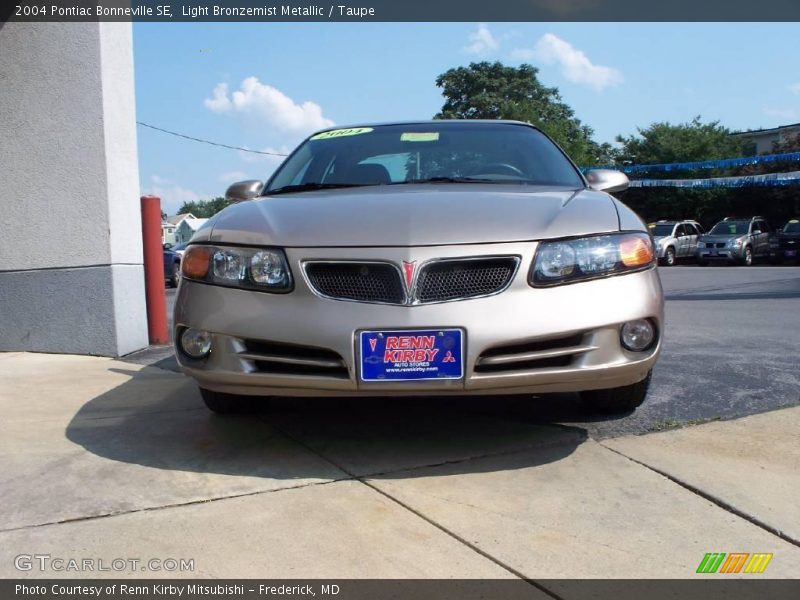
(408,271)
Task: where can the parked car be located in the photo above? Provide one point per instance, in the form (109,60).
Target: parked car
(172,267)
(785,243)
(675,240)
(735,240)
(179,249)
(423,258)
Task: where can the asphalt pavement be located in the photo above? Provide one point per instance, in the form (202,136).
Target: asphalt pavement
(730,349)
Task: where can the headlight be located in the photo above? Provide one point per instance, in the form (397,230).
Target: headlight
(701,244)
(568,261)
(736,243)
(263,269)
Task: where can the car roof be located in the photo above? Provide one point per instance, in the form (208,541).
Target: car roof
(447,122)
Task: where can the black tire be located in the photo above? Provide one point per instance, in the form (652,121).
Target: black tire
(227,404)
(175,276)
(747,257)
(617,400)
(669,257)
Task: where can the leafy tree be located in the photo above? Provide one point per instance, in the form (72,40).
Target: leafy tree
(697,141)
(204,208)
(487,90)
(685,142)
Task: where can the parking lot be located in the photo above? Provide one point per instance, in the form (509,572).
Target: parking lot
(126,462)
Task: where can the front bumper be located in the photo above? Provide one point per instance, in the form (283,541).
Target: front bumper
(728,253)
(585,316)
(784,253)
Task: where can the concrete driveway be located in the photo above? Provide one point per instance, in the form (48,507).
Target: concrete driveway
(107,460)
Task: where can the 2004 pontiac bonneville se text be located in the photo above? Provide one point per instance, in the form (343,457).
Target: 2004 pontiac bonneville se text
(441,257)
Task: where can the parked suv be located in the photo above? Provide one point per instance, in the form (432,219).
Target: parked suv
(675,239)
(785,243)
(735,240)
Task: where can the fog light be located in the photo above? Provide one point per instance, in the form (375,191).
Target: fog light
(637,335)
(196,343)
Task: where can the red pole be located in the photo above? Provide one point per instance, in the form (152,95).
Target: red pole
(154,288)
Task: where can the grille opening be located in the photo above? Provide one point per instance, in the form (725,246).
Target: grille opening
(367,282)
(533,363)
(540,363)
(280,368)
(277,357)
(551,344)
(456,279)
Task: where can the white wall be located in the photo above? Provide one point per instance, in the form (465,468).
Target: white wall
(69,190)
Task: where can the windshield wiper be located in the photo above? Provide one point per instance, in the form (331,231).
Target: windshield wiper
(307,187)
(452,180)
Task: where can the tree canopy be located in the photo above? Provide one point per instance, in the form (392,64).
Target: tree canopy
(204,208)
(487,90)
(684,142)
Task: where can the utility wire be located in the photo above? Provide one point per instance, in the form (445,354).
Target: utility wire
(194,139)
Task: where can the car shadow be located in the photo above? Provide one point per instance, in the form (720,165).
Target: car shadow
(309,438)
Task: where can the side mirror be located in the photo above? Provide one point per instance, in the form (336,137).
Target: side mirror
(756,231)
(244,190)
(607,180)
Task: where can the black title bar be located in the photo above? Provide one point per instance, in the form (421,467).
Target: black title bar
(400,10)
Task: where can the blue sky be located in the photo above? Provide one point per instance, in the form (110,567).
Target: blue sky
(265,86)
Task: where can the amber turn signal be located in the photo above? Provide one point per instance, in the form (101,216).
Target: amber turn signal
(196,262)
(636,250)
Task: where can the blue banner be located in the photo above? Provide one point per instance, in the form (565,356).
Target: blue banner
(766,180)
(723,163)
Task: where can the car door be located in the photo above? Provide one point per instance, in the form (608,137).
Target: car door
(765,233)
(691,239)
(756,235)
(681,243)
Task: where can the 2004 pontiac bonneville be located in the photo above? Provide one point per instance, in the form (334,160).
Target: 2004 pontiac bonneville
(443,257)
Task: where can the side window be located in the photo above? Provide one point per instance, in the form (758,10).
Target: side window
(764,227)
(690,230)
(680,231)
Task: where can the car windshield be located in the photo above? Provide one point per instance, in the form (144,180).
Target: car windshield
(730,228)
(438,152)
(661,229)
(792,228)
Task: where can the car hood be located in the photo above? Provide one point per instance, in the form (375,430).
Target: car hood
(721,238)
(414,215)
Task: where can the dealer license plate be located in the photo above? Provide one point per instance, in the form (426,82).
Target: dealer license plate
(412,355)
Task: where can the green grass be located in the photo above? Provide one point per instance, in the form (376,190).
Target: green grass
(676,424)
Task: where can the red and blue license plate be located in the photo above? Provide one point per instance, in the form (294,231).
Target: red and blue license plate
(411,355)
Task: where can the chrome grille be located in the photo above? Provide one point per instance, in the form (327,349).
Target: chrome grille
(365,282)
(445,280)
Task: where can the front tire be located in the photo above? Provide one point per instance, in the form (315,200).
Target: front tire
(175,276)
(747,259)
(669,257)
(227,404)
(617,400)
